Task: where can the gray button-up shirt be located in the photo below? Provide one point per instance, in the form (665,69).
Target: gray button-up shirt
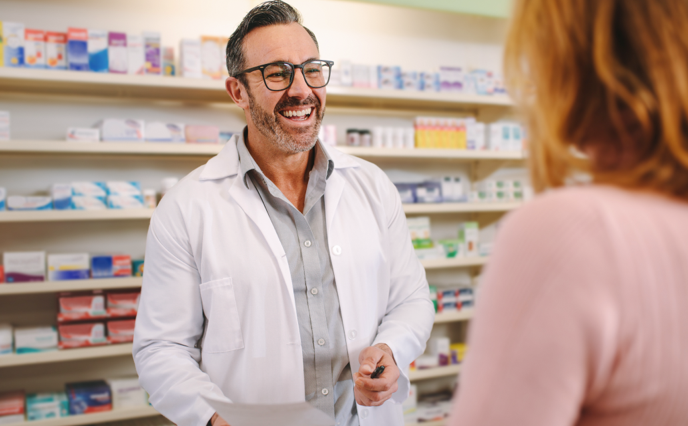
(327,372)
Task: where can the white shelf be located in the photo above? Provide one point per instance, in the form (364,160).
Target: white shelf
(435,423)
(421,208)
(73,285)
(454,316)
(433,373)
(61,355)
(430,154)
(457,262)
(88,419)
(74,215)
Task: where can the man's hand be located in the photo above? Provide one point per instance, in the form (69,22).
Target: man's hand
(374,392)
(216,420)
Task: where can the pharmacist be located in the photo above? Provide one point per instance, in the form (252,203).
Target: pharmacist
(281,270)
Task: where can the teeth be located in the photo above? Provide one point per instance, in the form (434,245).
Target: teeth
(300,113)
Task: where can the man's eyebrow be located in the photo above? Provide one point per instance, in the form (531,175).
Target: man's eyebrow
(307,60)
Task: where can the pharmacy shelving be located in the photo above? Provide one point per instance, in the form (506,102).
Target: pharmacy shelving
(433,154)
(74,215)
(72,285)
(94,418)
(434,423)
(460,207)
(62,355)
(457,262)
(433,373)
(454,316)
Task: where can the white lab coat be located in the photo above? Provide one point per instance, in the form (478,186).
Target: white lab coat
(217,311)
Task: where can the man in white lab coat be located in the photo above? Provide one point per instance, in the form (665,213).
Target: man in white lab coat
(281,270)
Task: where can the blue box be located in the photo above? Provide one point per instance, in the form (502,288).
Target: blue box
(429,192)
(77,49)
(49,405)
(88,397)
(13,35)
(98,51)
(407,192)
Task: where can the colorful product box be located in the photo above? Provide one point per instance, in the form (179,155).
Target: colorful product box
(168,66)
(115,187)
(136,56)
(190,58)
(13,40)
(407,192)
(11,407)
(451,79)
(2,274)
(6,339)
(48,405)
(64,267)
(19,202)
(77,49)
(430,82)
(136,266)
(211,57)
(34,48)
(121,331)
(83,134)
(24,266)
(56,50)
(123,304)
(35,339)
(80,307)
(89,189)
(111,266)
(121,130)
(117,53)
(81,335)
(469,234)
(429,192)
(80,202)
(126,393)
(157,131)
(88,397)
(3,198)
(389,77)
(125,202)
(410,80)
(2,47)
(202,134)
(98,50)
(151,45)
(62,196)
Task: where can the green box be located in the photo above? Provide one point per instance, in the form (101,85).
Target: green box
(452,248)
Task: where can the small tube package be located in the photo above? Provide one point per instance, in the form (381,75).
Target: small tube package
(11,407)
(151,43)
(157,131)
(13,35)
(62,267)
(3,198)
(202,134)
(47,405)
(190,58)
(82,335)
(88,397)
(98,50)
(81,307)
(126,392)
(83,134)
(136,58)
(19,202)
(111,266)
(62,196)
(117,53)
(6,340)
(121,130)
(77,49)
(121,331)
(35,339)
(34,48)
(123,304)
(24,266)
(56,50)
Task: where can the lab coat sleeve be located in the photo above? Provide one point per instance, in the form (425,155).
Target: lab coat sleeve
(409,317)
(168,325)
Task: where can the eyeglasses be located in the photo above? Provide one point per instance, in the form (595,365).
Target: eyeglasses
(279,76)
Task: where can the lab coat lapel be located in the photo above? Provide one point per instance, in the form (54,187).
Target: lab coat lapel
(333,193)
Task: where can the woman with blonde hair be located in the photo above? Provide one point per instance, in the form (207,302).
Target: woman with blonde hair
(583,312)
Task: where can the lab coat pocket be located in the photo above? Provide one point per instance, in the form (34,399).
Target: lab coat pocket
(223,331)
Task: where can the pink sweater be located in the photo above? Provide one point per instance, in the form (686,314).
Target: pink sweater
(582,315)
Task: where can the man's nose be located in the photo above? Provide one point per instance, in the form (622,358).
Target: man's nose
(299,89)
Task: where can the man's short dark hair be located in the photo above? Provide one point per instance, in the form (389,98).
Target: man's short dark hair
(273,12)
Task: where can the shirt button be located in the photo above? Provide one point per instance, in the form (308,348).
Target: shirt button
(321,342)
(307,243)
(314,291)
(364,413)
(325,391)
(352,334)
(337,250)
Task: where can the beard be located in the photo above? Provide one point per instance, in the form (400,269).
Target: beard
(270,126)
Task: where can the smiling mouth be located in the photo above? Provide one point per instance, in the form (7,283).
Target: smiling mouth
(297,114)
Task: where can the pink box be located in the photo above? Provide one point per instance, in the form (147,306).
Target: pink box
(80,335)
(202,134)
(121,331)
(123,304)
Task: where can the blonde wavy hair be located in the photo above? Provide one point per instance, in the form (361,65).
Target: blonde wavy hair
(604,88)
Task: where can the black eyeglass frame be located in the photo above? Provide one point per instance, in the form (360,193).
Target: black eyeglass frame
(291,80)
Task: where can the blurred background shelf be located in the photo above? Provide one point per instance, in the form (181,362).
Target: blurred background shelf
(62,355)
(74,215)
(460,207)
(73,285)
(94,418)
(431,373)
(454,316)
(457,262)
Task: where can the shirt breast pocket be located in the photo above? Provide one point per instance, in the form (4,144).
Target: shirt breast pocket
(223,328)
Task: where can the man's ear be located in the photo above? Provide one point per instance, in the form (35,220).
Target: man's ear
(237,91)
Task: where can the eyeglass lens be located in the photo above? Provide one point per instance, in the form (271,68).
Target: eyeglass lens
(278,76)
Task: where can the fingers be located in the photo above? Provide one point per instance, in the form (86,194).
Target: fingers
(369,358)
(373,399)
(218,421)
(373,392)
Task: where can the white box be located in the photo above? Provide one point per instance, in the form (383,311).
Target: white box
(83,134)
(6,340)
(190,58)
(157,131)
(419,227)
(35,339)
(125,202)
(98,50)
(89,189)
(121,130)
(84,202)
(62,196)
(116,187)
(4,125)
(469,234)
(127,392)
(346,73)
(136,58)
(19,202)
(63,267)
(24,266)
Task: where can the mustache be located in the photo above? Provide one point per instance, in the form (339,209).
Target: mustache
(287,102)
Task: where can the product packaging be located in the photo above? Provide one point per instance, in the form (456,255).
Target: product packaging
(81,202)
(98,51)
(448,300)
(62,196)
(13,38)
(426,361)
(24,266)
(2,47)
(77,307)
(77,49)
(2,274)
(125,202)
(202,134)
(126,392)
(410,404)
(118,55)
(121,130)
(56,50)
(168,67)
(389,77)
(429,192)
(466,297)
(3,198)
(190,58)
(407,192)
(88,397)
(137,267)
(211,57)
(150,199)
(121,331)
(410,80)
(419,227)
(6,341)
(4,125)
(151,44)
(82,335)
(83,134)
(157,131)
(111,266)
(430,82)
(469,235)
(35,339)
(34,48)
(452,248)
(19,202)
(458,352)
(439,347)
(433,296)
(124,304)
(346,77)
(114,187)
(11,407)
(48,405)
(63,267)
(361,75)
(89,189)
(136,57)
(451,79)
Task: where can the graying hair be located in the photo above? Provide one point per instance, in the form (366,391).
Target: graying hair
(273,12)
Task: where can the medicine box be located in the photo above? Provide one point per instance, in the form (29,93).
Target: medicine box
(35,339)
(81,202)
(11,407)
(419,227)
(111,266)
(117,53)
(121,331)
(123,304)
(24,266)
(126,392)
(13,38)
(151,45)
(429,192)
(88,397)
(211,57)
(82,335)
(63,267)
(439,347)
(136,57)
(125,202)
(451,79)
(430,82)
(34,48)
(98,50)
(62,196)
(157,131)
(469,235)
(56,50)
(168,66)
(89,189)
(407,192)
(3,199)
(19,202)
(389,77)
(121,130)
(4,125)
(2,47)
(410,80)
(361,76)
(80,307)
(137,267)
(6,340)
(48,405)
(83,134)
(190,58)
(202,134)
(77,49)
(115,187)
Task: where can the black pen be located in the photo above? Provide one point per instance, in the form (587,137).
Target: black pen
(377,372)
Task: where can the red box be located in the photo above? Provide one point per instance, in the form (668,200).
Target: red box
(121,331)
(79,307)
(121,265)
(121,304)
(2,274)
(12,404)
(81,335)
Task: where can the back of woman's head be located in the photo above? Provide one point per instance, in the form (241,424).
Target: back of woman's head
(607,79)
